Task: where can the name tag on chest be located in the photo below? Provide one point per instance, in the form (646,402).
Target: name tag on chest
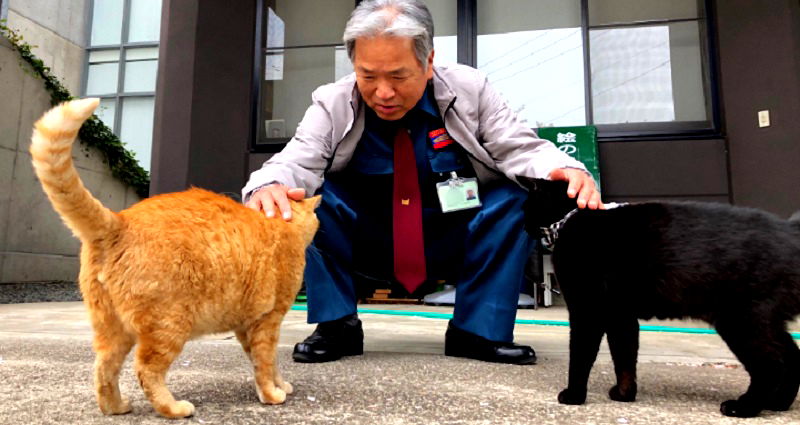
(458,193)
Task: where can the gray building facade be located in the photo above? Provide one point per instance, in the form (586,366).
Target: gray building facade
(210,109)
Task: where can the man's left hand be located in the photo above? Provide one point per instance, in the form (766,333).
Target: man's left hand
(581,185)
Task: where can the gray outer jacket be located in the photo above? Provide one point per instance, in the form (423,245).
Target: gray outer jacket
(474,114)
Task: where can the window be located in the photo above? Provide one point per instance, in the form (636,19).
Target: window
(532,52)
(3,9)
(298,58)
(634,68)
(121,70)
(445,28)
(650,70)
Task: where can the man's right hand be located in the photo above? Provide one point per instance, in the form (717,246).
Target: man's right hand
(273,196)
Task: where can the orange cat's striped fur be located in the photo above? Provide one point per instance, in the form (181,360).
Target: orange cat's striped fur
(170,268)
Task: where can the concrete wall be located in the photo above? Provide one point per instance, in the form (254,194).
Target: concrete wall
(34,244)
(59,30)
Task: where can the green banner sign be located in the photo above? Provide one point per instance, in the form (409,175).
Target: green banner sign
(577,142)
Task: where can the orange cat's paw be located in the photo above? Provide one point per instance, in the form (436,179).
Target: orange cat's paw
(286,387)
(179,409)
(120,408)
(123,407)
(275,396)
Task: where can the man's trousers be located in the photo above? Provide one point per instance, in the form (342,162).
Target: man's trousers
(483,252)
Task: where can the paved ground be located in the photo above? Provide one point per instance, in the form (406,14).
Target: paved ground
(403,378)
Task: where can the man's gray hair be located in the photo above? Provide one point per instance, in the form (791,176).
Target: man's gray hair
(393,18)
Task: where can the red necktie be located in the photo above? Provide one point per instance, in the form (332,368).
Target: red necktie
(409,248)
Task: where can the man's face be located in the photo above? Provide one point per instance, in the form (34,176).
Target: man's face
(388,75)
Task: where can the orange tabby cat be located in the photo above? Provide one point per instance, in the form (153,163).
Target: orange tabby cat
(170,268)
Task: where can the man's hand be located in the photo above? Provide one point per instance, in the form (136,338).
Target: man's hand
(268,197)
(581,185)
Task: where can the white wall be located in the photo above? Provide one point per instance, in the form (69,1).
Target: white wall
(58,30)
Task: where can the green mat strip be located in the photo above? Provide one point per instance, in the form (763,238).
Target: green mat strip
(448,316)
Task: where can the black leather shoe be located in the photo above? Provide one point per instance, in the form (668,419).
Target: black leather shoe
(331,340)
(460,343)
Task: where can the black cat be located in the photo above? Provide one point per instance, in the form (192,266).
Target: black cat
(735,268)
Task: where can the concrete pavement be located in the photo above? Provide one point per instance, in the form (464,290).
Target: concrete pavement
(403,378)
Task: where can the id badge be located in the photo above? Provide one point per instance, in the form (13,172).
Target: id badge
(458,193)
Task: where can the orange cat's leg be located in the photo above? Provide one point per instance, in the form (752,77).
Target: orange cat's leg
(243,339)
(111,345)
(111,352)
(279,382)
(263,336)
(155,353)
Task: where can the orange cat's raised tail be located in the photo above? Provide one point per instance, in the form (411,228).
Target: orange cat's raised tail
(51,148)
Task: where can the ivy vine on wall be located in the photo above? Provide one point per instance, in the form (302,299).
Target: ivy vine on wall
(94,133)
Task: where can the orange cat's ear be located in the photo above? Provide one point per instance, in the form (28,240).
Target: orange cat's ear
(314,201)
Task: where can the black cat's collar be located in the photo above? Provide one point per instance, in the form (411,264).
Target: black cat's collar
(550,233)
